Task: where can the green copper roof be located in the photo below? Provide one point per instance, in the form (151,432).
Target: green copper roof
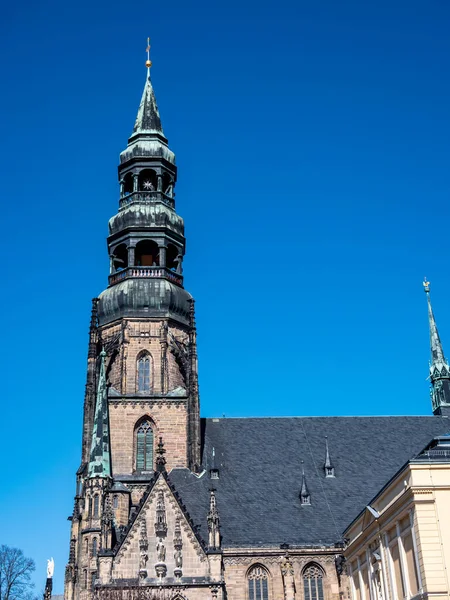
(100,462)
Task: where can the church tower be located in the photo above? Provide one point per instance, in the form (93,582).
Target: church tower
(141,398)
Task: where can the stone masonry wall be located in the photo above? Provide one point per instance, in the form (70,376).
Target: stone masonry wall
(170,422)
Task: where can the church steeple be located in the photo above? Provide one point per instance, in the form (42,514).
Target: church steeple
(99,459)
(439,367)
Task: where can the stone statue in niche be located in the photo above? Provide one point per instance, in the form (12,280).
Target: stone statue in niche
(178,559)
(287,570)
(160,551)
(143,559)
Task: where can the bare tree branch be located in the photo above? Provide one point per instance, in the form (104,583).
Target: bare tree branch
(15,574)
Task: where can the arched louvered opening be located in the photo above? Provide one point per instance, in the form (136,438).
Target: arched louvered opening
(312,582)
(258,583)
(144,445)
(128,184)
(168,184)
(120,258)
(144,372)
(147,254)
(147,180)
(173,257)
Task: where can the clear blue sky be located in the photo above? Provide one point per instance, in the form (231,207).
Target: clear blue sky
(312,141)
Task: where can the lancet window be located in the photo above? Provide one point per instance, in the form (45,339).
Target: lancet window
(144,446)
(313,583)
(258,584)
(94,547)
(143,373)
(96,506)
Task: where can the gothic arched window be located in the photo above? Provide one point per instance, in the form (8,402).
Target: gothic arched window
(94,547)
(313,583)
(143,373)
(96,506)
(85,576)
(144,446)
(258,584)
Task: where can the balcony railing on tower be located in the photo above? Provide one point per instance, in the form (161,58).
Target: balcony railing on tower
(146,272)
(145,198)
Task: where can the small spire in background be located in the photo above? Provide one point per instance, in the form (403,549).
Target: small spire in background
(439,367)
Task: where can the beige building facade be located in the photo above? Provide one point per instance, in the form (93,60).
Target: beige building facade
(399,546)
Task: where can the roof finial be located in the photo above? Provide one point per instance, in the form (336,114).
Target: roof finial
(328,465)
(160,459)
(148,62)
(305,496)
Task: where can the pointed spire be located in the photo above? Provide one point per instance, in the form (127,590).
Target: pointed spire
(305,496)
(328,466)
(148,119)
(439,367)
(437,353)
(99,460)
(213,522)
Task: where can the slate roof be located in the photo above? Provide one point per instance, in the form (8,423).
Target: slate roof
(260,474)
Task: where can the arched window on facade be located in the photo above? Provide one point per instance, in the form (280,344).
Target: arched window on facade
(143,369)
(85,580)
(90,507)
(144,446)
(86,547)
(313,582)
(116,501)
(94,547)
(258,584)
(96,506)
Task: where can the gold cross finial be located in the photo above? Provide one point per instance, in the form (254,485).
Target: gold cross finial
(148,62)
(426,285)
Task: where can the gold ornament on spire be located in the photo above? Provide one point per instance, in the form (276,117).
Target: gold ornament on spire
(426,285)
(148,62)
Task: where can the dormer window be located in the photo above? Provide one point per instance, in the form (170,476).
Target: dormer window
(329,471)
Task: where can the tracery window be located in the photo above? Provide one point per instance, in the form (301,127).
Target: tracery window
(144,446)
(96,504)
(258,584)
(313,583)
(143,373)
(94,547)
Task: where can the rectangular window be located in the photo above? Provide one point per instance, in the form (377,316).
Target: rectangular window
(411,563)
(395,554)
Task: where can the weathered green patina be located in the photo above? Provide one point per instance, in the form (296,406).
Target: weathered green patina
(100,457)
